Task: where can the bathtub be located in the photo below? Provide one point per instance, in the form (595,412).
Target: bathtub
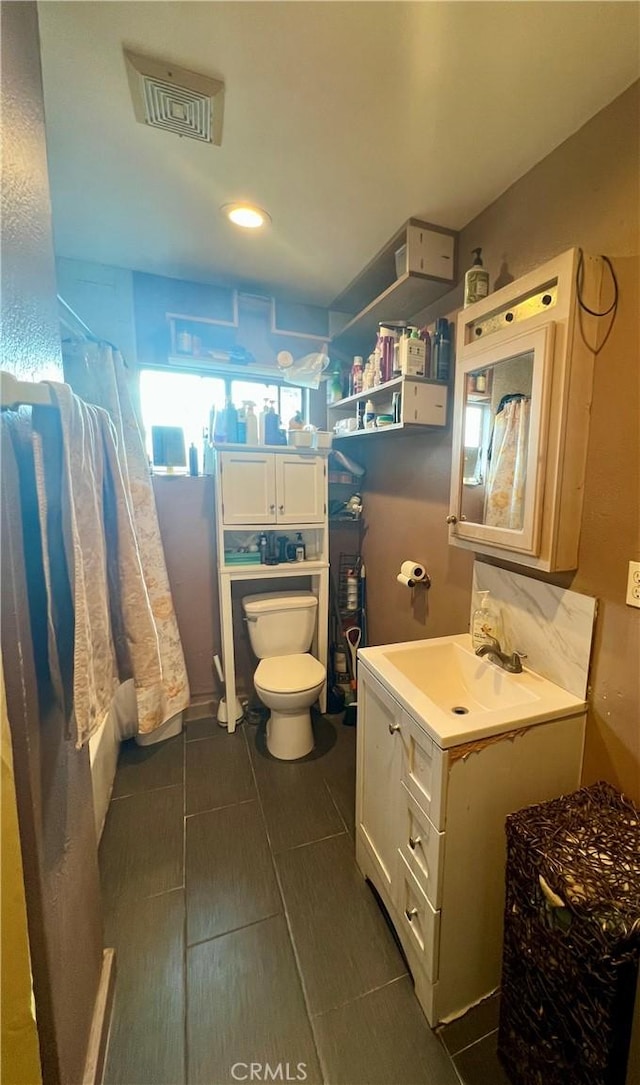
(104,746)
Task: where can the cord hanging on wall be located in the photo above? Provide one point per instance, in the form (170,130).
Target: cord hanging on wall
(583,308)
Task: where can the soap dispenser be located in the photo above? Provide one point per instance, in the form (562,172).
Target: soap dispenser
(476,280)
(486,624)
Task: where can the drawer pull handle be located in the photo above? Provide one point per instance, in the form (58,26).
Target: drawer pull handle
(393,727)
(410,912)
(281,507)
(414,841)
(272,508)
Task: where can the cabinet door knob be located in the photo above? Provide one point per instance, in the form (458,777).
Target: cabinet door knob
(410,912)
(281,507)
(272,508)
(393,727)
(452,518)
(414,841)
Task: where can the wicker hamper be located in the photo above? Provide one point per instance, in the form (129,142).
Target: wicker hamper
(571,939)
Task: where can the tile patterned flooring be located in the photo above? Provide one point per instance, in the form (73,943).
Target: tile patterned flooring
(245,933)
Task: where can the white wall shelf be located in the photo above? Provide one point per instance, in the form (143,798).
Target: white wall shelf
(392,287)
(423,405)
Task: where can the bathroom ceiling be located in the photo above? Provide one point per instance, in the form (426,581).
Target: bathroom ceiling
(341,119)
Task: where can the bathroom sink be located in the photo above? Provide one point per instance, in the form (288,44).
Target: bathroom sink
(458,680)
(460,696)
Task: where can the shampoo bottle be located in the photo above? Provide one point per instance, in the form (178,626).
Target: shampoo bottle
(486,625)
(252,424)
(476,280)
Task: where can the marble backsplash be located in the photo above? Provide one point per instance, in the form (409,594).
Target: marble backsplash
(552,625)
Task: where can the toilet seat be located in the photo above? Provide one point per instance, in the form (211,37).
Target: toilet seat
(289,674)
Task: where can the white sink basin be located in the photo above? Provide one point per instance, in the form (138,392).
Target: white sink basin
(460,696)
(458,680)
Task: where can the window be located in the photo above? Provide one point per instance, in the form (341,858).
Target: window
(476,425)
(186,400)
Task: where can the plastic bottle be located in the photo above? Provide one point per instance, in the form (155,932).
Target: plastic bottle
(261,420)
(231,423)
(193,459)
(352,590)
(476,280)
(486,625)
(242,424)
(252,424)
(369,415)
(262,548)
(301,550)
(271,426)
(220,427)
(356,375)
(442,349)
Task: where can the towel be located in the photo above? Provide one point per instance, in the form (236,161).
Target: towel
(114,631)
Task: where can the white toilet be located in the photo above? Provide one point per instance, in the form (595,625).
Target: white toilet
(288,680)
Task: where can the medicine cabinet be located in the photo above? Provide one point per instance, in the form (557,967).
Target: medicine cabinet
(523,385)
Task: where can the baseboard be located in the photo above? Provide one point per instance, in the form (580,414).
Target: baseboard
(101,1023)
(201,709)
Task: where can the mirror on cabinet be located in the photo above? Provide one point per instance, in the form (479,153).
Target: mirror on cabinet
(502,406)
(497,410)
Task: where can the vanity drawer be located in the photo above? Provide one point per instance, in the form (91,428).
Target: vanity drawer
(422,847)
(420,922)
(424,767)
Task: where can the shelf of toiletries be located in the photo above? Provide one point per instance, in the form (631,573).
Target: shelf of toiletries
(382,391)
(414,269)
(298,553)
(404,404)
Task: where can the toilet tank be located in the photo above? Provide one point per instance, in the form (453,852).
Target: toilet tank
(280,623)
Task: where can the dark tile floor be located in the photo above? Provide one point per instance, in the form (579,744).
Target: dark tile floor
(245,933)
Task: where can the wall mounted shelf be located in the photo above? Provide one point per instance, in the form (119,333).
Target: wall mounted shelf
(414,269)
(423,405)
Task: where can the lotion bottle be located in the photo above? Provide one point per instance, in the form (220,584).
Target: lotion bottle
(486,624)
(476,280)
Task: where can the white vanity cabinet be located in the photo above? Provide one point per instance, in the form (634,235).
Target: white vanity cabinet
(430,834)
(272,488)
(523,387)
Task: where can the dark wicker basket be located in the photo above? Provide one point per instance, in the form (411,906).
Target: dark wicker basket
(571,939)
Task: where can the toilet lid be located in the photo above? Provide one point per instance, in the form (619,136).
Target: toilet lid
(289,674)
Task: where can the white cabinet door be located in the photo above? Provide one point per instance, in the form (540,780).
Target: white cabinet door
(379,765)
(300,489)
(248,487)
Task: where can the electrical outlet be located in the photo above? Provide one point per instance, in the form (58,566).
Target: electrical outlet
(633,584)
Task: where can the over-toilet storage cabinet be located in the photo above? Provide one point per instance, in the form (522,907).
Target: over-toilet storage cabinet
(267,488)
(271,488)
(430,836)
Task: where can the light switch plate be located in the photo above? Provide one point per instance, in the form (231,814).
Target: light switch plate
(633,584)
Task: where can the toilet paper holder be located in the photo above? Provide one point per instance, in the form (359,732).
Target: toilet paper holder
(413,574)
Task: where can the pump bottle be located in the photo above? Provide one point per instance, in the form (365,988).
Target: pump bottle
(476,280)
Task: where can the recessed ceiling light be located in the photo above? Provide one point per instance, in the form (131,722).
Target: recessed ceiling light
(246,214)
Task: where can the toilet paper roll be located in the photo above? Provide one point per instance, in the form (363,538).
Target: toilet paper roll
(413,570)
(408,581)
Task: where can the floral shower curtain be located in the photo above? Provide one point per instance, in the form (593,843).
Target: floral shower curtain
(507,475)
(97,373)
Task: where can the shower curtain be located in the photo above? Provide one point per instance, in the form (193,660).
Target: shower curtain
(97,373)
(507,475)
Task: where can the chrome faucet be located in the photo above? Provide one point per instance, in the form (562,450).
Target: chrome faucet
(511,663)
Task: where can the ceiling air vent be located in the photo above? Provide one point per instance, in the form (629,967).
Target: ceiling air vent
(184,102)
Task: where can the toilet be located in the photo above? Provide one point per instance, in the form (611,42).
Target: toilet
(287,680)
